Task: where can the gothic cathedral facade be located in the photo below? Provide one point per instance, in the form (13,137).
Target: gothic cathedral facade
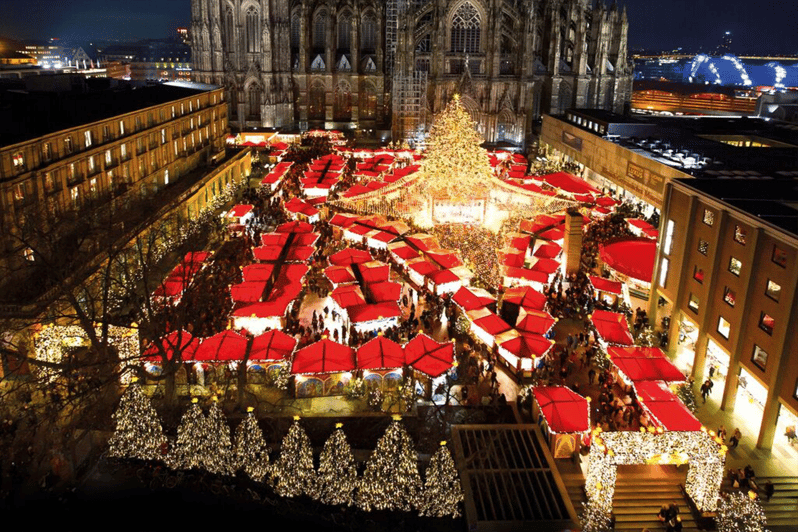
(371,64)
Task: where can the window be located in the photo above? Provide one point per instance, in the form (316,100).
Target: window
(465,33)
(766,323)
(47,151)
(779,256)
(176,151)
(87,138)
(19,192)
(190,107)
(92,164)
(295,26)
(724,327)
(75,194)
(760,357)
(123,150)
(773,290)
(253,31)
(173,111)
(182,109)
(693,303)
(163,135)
(698,274)
(93,187)
(68,145)
(369,33)
(668,243)
(29,255)
(739,234)
(729,296)
(138,123)
(709,217)
(121,127)
(18,160)
(663,271)
(344,31)
(166,177)
(106,133)
(703,246)
(735,266)
(108,157)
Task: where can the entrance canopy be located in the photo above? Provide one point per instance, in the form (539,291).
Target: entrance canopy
(564,410)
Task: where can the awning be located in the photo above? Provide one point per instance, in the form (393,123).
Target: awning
(272,345)
(606,285)
(633,257)
(324,356)
(565,410)
(612,327)
(428,356)
(665,408)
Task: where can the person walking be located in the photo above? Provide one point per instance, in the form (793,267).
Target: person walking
(705,390)
(735,439)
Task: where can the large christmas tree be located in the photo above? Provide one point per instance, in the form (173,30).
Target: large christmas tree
(138,431)
(337,472)
(391,480)
(455,166)
(293,472)
(442,491)
(192,435)
(738,512)
(218,455)
(250,449)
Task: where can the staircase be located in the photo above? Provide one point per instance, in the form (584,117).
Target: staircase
(781,510)
(638,499)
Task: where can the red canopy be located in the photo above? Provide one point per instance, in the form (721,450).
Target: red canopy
(535,322)
(612,327)
(525,296)
(404,252)
(633,257)
(565,410)
(170,288)
(445,258)
(443,277)
(546,265)
(644,364)
(196,256)
(240,210)
(547,250)
(527,345)
(422,241)
(325,356)
(380,353)
(467,299)
(606,285)
(606,201)
(570,183)
(386,291)
(176,341)
(665,408)
(526,273)
(257,272)
(349,256)
(294,227)
(224,346)
(492,324)
(348,296)
(374,271)
(272,345)
(340,274)
(248,291)
(373,311)
(428,356)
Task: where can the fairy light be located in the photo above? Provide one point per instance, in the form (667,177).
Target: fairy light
(442,490)
(250,450)
(138,432)
(218,453)
(337,478)
(738,512)
(294,471)
(189,449)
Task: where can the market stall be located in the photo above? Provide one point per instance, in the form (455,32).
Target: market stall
(564,416)
(612,327)
(322,368)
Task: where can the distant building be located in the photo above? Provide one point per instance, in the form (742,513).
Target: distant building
(165,60)
(725,44)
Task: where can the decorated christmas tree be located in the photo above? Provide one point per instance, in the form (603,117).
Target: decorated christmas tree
(738,512)
(337,473)
(218,455)
(442,491)
(250,449)
(293,472)
(391,480)
(190,448)
(138,431)
(455,166)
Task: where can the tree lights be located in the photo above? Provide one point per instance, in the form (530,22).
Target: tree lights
(138,431)
(189,450)
(738,512)
(442,491)
(337,474)
(218,453)
(293,471)
(250,451)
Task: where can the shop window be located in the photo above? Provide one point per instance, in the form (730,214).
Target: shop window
(698,274)
(693,303)
(724,327)
(773,290)
(760,357)
(729,296)
(739,234)
(703,246)
(766,323)
(709,217)
(779,256)
(735,266)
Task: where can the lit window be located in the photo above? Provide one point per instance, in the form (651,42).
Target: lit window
(668,243)
(709,217)
(163,136)
(779,256)
(123,150)
(663,271)
(190,107)
(19,161)
(724,327)
(735,266)
(121,127)
(729,296)
(760,357)
(175,148)
(693,303)
(19,192)
(766,323)
(47,151)
(108,157)
(698,274)
(773,290)
(166,177)
(68,144)
(182,109)
(739,234)
(703,246)
(87,138)
(29,255)
(91,163)
(75,194)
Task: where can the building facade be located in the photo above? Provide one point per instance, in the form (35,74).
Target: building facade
(144,142)
(364,64)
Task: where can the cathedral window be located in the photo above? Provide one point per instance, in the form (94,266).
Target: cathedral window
(344,31)
(229,35)
(320,30)
(368,102)
(295,29)
(465,32)
(369,32)
(343,103)
(253,30)
(423,46)
(316,102)
(254,102)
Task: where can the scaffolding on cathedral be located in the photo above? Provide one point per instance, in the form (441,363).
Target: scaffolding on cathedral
(409,109)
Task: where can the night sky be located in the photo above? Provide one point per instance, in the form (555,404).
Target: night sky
(761,26)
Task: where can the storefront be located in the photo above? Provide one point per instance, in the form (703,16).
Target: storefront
(717,358)
(750,402)
(685,346)
(786,428)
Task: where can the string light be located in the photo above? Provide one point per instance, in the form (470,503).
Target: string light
(250,450)
(442,490)
(218,450)
(188,451)
(738,512)
(138,432)
(294,471)
(337,473)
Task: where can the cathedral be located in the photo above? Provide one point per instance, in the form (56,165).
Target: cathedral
(388,66)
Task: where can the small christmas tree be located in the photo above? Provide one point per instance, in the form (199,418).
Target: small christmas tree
(250,450)
(138,431)
(189,450)
(391,480)
(293,471)
(337,472)
(738,512)
(218,455)
(442,491)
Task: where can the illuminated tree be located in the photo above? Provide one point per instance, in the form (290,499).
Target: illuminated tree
(218,453)
(337,473)
(738,512)
(293,472)
(391,480)
(250,449)
(189,449)
(138,431)
(442,491)
(455,166)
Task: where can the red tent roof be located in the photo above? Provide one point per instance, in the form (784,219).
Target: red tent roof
(443,277)
(343,220)
(445,258)
(565,410)
(633,257)
(340,274)
(422,241)
(606,285)
(612,327)
(422,267)
(547,250)
(374,271)
(196,256)
(294,227)
(526,345)
(428,356)
(224,346)
(170,288)
(324,356)
(648,369)
(272,345)
(546,265)
(526,273)
(665,408)
(257,272)
(240,210)
(535,322)
(570,183)
(248,291)
(348,295)
(606,201)
(404,252)
(492,324)
(267,253)
(525,296)
(373,311)
(386,291)
(297,205)
(349,256)
(468,300)
(176,341)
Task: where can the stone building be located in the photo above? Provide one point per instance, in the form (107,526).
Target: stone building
(373,65)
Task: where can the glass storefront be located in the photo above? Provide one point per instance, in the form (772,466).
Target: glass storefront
(685,347)
(787,428)
(719,359)
(750,403)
